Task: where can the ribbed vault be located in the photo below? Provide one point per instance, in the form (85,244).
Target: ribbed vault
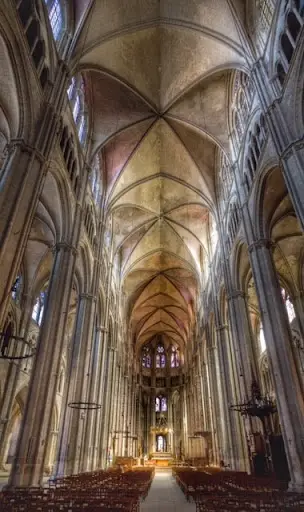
(157,76)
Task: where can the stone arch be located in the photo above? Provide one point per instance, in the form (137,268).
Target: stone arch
(261,209)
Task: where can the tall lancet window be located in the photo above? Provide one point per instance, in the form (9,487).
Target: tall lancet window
(160,358)
(76,94)
(288,305)
(146,357)
(161,404)
(175,361)
(55,12)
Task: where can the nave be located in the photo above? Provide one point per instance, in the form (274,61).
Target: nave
(151,251)
(165,495)
(177,489)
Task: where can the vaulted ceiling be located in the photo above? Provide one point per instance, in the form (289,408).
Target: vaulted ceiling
(157,75)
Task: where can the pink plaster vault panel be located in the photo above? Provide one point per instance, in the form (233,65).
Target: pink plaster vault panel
(118,150)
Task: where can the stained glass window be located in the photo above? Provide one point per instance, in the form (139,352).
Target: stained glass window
(146,357)
(161,404)
(55,16)
(76,94)
(289,305)
(38,309)
(174,358)
(262,339)
(160,357)
(16,288)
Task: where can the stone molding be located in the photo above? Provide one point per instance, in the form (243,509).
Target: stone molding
(65,247)
(222,327)
(87,296)
(26,148)
(259,244)
(235,294)
(102,328)
(295,145)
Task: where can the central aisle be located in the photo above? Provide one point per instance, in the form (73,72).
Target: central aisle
(165,495)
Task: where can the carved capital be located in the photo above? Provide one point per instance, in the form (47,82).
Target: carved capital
(64,246)
(20,144)
(222,327)
(102,328)
(87,296)
(294,146)
(236,294)
(259,244)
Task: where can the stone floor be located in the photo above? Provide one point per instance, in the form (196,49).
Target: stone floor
(165,495)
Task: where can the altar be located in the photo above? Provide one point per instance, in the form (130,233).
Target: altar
(162,459)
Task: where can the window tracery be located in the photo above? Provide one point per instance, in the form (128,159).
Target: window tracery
(262,12)
(241,100)
(224,182)
(233,223)
(55,13)
(161,404)
(29,18)
(76,94)
(160,358)
(96,179)
(16,289)
(288,305)
(39,305)
(293,23)
(255,145)
(146,357)
(262,341)
(175,359)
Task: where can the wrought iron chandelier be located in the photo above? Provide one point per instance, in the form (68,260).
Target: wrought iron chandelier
(258,406)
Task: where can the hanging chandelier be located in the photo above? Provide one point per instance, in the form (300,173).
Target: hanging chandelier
(258,406)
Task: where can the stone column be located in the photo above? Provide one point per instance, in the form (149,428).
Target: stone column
(127,416)
(113,404)
(289,150)
(234,450)
(152,420)
(119,417)
(243,339)
(29,460)
(79,382)
(116,412)
(12,378)
(107,403)
(215,411)
(185,427)
(279,346)
(22,180)
(96,396)
(94,417)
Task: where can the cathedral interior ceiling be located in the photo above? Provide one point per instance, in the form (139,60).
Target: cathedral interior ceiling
(157,76)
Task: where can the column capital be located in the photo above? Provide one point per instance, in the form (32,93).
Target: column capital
(64,246)
(221,327)
(87,296)
(258,244)
(295,145)
(19,143)
(235,294)
(102,328)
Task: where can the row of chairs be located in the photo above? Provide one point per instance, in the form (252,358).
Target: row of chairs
(230,491)
(99,491)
